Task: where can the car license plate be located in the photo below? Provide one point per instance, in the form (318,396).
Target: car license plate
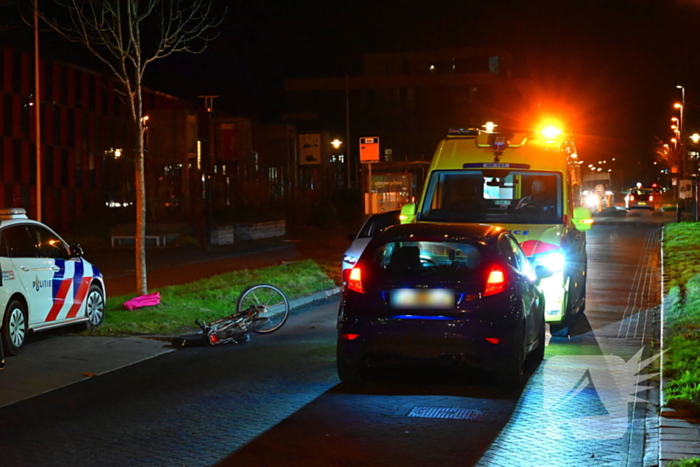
(422,298)
(642,203)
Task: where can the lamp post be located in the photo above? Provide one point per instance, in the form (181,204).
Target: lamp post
(681,128)
(37,115)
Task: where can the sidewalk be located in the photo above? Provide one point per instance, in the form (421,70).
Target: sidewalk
(51,361)
(675,437)
(179,265)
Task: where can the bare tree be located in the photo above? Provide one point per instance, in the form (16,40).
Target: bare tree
(9,19)
(128,35)
(669,157)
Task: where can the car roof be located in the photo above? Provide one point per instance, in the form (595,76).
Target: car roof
(441,231)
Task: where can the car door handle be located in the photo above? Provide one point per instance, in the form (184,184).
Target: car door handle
(55,268)
(25,268)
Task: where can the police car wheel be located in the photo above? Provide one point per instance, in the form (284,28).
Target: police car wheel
(94,307)
(14,327)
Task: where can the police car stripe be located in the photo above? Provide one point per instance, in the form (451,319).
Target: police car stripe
(79,297)
(81,282)
(59,289)
(78,276)
(59,298)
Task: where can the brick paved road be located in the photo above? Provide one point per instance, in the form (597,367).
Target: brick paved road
(277,400)
(598,426)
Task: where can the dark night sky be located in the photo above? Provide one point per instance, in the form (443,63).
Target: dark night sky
(608,67)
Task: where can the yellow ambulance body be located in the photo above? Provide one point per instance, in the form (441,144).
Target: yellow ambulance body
(487,177)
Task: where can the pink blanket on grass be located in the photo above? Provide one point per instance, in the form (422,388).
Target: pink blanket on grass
(144,300)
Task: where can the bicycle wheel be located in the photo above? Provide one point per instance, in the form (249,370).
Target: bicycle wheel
(274,303)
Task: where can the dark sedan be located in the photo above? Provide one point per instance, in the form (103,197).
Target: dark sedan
(442,292)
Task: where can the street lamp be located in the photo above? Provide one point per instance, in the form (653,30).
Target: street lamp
(681,127)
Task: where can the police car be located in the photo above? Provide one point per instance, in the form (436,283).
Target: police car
(45,282)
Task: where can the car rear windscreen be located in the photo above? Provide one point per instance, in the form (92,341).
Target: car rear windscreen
(426,258)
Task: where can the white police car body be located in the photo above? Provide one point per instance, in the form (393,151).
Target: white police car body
(45,282)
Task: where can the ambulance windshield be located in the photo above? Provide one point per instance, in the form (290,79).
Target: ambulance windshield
(492,196)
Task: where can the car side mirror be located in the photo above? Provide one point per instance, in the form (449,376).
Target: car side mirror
(76,251)
(408,213)
(583,219)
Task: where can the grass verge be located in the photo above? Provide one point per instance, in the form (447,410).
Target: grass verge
(682,319)
(209,299)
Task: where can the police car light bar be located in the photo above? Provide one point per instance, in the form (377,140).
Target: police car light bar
(13,213)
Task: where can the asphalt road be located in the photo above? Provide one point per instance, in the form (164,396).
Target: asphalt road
(277,400)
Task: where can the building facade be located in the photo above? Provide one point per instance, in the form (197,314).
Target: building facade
(410,100)
(85,148)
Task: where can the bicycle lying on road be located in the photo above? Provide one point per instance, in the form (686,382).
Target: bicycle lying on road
(261,309)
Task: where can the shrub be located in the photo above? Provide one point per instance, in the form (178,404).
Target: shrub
(248,214)
(324,215)
(348,203)
(185,240)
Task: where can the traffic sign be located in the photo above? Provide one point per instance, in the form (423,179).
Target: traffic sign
(369,149)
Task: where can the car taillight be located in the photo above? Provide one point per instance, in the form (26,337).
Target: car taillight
(355,280)
(651,197)
(631,197)
(496,281)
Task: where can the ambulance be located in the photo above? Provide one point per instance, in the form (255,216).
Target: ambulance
(528,182)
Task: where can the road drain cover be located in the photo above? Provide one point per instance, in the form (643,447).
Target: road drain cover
(455,413)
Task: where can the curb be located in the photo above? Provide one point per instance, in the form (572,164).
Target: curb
(299,302)
(293,305)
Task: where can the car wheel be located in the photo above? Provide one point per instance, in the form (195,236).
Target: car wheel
(511,374)
(349,370)
(560,329)
(563,329)
(583,298)
(14,328)
(94,307)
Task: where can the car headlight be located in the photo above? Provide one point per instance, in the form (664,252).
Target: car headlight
(592,200)
(554,261)
(350,259)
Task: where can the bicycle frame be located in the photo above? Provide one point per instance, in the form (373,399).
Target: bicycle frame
(261,309)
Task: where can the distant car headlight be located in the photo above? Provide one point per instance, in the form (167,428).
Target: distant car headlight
(554,261)
(592,200)
(350,259)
